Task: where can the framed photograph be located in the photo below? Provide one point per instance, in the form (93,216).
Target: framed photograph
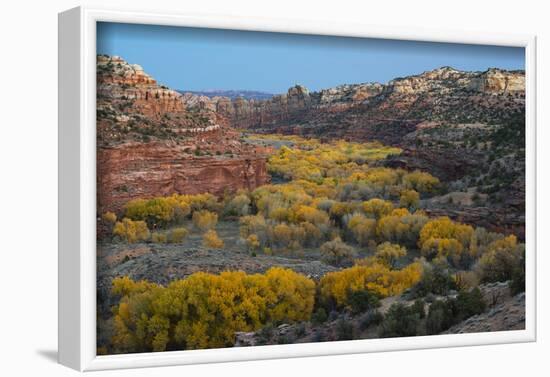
(242,189)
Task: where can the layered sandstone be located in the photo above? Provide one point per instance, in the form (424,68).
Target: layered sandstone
(431,94)
(499,81)
(119,81)
(144,170)
(149,144)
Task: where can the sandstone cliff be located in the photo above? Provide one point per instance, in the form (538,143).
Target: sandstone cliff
(150,144)
(363,110)
(143,170)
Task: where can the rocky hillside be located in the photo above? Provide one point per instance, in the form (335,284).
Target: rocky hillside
(466,128)
(504,312)
(150,143)
(386,112)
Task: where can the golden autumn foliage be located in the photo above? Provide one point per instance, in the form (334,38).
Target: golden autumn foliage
(336,193)
(205,220)
(239,205)
(273,234)
(421,181)
(131,231)
(212,240)
(311,160)
(447,248)
(402,227)
(409,199)
(389,253)
(372,276)
(303,213)
(169,209)
(175,235)
(377,208)
(362,228)
(443,227)
(252,224)
(159,237)
(252,242)
(313,235)
(205,310)
(339,209)
(109,217)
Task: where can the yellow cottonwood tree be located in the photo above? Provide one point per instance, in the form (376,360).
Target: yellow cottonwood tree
(374,277)
(377,208)
(205,310)
(443,227)
(443,248)
(389,253)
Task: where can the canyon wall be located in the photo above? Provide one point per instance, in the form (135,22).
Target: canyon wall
(150,144)
(145,170)
(154,141)
(119,81)
(413,98)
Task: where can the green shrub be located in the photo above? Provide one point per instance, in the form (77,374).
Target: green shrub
(300,330)
(344,330)
(418,307)
(371,318)
(361,301)
(469,303)
(517,284)
(441,316)
(399,321)
(445,313)
(435,280)
(263,336)
(319,316)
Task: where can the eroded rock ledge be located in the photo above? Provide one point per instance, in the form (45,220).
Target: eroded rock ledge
(150,144)
(144,170)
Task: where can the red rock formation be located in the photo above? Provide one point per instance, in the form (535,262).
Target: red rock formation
(120,81)
(144,170)
(150,145)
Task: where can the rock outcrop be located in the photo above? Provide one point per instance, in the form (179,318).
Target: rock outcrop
(150,144)
(119,81)
(413,98)
(144,170)
(499,81)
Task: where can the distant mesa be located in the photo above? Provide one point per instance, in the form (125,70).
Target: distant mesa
(231,94)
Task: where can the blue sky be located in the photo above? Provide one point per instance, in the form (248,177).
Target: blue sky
(202,59)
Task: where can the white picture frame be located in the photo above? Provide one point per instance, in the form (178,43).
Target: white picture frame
(77,190)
